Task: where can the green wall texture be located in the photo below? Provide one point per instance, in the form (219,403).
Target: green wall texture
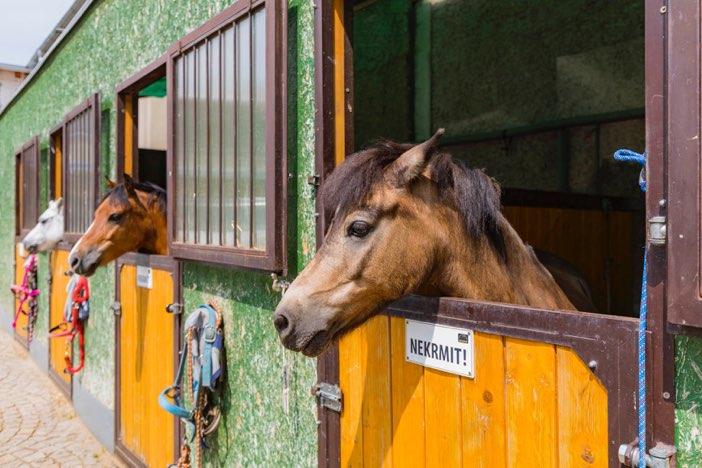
(115,39)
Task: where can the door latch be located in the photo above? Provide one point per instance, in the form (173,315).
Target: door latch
(328,396)
(657,230)
(174,308)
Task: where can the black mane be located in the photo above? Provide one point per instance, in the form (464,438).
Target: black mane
(119,192)
(475,195)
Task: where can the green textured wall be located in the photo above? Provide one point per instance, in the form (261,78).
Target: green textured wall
(688,401)
(114,40)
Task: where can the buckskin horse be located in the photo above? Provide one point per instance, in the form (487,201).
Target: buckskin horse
(408,219)
(131,217)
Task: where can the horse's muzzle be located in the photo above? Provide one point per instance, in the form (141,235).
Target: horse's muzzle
(85,265)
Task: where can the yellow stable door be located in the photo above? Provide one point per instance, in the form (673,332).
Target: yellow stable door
(58,296)
(146,362)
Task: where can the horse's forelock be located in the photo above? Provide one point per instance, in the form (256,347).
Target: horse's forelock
(118,195)
(475,195)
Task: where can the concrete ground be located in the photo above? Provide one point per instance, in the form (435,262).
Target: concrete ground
(38,426)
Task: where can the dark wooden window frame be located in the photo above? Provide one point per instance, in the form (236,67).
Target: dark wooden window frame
(93,102)
(274,257)
(20,229)
(488,316)
(684,214)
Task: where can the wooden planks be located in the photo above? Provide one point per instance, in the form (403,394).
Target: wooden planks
(352,371)
(530,404)
(530,387)
(582,410)
(596,243)
(58,174)
(407,382)
(146,366)
(129,134)
(59,282)
(483,406)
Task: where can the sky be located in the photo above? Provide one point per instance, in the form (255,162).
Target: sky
(24,24)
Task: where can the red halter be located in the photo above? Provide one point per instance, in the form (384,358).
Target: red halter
(79,295)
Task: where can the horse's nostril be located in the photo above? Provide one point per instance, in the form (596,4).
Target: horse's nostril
(281,323)
(74,262)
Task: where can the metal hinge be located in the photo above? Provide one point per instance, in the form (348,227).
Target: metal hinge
(657,230)
(174,308)
(313,180)
(116,308)
(660,456)
(328,396)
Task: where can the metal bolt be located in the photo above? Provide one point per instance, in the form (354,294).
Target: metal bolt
(662,202)
(663,9)
(290,175)
(592,365)
(666,395)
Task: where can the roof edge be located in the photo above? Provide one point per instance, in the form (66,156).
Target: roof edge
(67,30)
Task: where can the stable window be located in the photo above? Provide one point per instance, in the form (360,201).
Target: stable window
(80,155)
(27,186)
(142,136)
(227,114)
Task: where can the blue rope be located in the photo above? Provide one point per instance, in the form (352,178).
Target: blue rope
(632,156)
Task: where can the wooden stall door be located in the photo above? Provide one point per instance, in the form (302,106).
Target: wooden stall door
(534,401)
(57,346)
(146,366)
(21,328)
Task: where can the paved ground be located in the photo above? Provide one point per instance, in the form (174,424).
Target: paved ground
(38,426)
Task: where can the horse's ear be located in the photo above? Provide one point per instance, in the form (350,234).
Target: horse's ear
(58,204)
(110,183)
(129,184)
(412,162)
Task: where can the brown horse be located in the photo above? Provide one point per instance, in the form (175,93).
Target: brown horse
(408,219)
(131,217)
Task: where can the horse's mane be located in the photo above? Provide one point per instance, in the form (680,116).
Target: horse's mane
(475,196)
(119,192)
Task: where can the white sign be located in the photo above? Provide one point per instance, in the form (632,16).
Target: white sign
(449,349)
(144,277)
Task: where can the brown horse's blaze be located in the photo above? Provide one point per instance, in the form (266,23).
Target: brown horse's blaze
(130,218)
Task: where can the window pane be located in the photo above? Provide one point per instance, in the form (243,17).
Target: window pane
(179,146)
(92,169)
(243,134)
(71,176)
(228,139)
(215,183)
(189,172)
(202,148)
(259,129)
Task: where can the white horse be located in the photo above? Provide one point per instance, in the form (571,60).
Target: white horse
(48,231)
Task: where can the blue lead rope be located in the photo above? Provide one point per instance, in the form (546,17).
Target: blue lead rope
(632,156)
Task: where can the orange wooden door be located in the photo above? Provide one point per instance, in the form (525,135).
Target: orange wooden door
(146,366)
(59,282)
(531,404)
(21,328)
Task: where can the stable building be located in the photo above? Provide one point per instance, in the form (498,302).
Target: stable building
(241,108)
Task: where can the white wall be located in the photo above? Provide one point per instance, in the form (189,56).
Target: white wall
(8,84)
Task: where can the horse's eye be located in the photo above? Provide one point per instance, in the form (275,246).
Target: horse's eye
(44,221)
(359,229)
(115,217)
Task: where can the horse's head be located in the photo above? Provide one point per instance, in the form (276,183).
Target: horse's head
(130,217)
(395,211)
(49,229)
